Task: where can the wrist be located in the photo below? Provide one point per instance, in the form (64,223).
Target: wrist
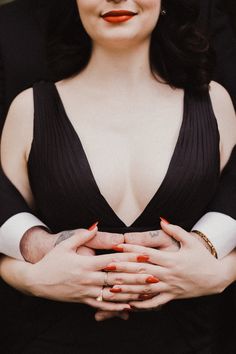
(205,241)
(36,243)
(15,273)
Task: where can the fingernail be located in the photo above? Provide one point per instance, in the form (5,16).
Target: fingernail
(128,309)
(152,280)
(133,307)
(118,248)
(92,227)
(110,268)
(164,220)
(142,259)
(115,290)
(145,296)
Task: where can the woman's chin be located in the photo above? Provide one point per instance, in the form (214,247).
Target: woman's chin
(119,42)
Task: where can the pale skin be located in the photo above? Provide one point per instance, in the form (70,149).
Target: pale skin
(123,56)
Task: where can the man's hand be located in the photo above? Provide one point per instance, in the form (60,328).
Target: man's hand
(155,239)
(63,275)
(37,242)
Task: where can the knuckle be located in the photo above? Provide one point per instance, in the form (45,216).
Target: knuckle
(117,238)
(109,296)
(80,232)
(85,281)
(119,281)
(147,290)
(142,269)
(129,238)
(83,292)
(177,228)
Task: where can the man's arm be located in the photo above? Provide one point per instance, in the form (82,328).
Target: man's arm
(15,218)
(224,43)
(15,215)
(219,223)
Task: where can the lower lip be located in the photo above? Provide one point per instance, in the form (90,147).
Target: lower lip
(117,19)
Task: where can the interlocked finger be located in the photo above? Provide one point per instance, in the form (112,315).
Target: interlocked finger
(146,289)
(118,297)
(100,262)
(106,305)
(126,278)
(153,303)
(162,258)
(141,268)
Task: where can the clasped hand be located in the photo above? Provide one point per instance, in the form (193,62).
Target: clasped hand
(190,271)
(140,276)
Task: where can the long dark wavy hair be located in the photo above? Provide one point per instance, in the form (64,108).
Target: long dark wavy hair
(179,53)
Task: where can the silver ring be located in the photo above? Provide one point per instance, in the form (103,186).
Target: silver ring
(106,279)
(100,296)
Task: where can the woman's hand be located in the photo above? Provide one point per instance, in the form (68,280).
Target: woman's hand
(65,275)
(190,272)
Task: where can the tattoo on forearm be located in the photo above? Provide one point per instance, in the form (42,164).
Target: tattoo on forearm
(64,236)
(154,233)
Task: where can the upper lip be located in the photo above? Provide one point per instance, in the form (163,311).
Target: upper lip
(118,13)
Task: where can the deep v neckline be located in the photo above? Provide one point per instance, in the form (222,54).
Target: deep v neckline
(92,180)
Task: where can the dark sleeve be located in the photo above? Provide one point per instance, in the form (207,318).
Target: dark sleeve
(224,43)
(2,98)
(225,197)
(11,201)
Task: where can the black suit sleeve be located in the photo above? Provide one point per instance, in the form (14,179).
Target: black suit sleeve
(2,98)
(224,42)
(11,201)
(225,197)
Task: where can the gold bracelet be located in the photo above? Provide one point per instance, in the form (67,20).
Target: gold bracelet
(205,238)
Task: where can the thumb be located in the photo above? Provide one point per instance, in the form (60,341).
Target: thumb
(176,232)
(76,238)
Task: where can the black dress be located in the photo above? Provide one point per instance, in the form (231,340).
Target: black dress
(68,197)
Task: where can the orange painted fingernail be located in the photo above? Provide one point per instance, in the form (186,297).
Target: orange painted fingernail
(116,290)
(142,259)
(118,249)
(109,268)
(152,280)
(164,220)
(92,227)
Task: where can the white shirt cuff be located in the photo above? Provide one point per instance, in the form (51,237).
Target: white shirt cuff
(220,229)
(12,231)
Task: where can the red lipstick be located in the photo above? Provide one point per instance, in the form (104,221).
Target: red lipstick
(118,16)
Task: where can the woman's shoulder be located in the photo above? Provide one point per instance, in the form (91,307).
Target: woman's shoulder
(217,91)
(22,107)
(222,104)
(18,127)
(225,115)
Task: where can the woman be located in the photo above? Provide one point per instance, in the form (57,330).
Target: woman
(59,153)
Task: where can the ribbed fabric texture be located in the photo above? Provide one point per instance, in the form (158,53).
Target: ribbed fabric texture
(68,197)
(65,189)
